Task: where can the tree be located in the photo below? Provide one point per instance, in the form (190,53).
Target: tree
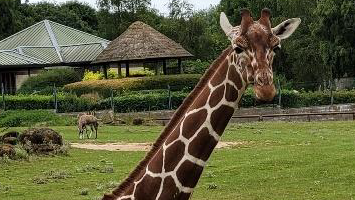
(116,15)
(8,15)
(335,27)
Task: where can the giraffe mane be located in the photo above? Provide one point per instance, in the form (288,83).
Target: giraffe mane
(171,125)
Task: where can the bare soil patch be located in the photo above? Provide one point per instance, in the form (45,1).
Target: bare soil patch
(140,146)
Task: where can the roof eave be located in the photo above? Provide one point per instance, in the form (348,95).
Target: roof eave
(140,60)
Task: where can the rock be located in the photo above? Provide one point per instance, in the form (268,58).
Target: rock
(41,140)
(138,121)
(14,134)
(7,150)
(10,140)
(41,136)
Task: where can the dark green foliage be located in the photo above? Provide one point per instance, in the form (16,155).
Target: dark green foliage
(196,66)
(66,103)
(16,118)
(185,82)
(44,82)
(158,100)
(145,102)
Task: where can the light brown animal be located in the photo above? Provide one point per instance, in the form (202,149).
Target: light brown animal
(85,120)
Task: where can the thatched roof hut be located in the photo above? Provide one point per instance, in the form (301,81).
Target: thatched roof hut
(141,43)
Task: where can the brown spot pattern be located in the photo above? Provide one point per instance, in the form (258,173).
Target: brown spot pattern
(231,93)
(220,74)
(130,190)
(173,136)
(147,193)
(173,155)
(193,122)
(216,96)
(202,146)
(234,76)
(202,99)
(189,173)
(185,196)
(220,118)
(156,164)
(170,191)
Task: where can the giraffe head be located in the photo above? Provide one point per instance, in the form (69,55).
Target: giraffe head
(255,42)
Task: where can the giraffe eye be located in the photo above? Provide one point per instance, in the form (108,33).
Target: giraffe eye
(238,50)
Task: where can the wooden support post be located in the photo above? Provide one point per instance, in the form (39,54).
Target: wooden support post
(3,96)
(28,72)
(261,118)
(180,66)
(119,70)
(127,69)
(105,71)
(164,67)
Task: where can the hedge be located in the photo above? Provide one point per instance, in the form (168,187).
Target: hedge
(144,102)
(158,100)
(66,103)
(43,83)
(184,82)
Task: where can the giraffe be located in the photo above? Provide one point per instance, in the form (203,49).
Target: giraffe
(172,168)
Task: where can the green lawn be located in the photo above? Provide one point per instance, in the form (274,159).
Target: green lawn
(276,160)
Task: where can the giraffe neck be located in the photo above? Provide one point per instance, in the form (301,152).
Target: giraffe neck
(173,172)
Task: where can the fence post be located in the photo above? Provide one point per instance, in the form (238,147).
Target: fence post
(331,93)
(112,104)
(169,104)
(279,86)
(3,96)
(55,98)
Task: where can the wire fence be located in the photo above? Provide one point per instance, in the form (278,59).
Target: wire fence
(147,100)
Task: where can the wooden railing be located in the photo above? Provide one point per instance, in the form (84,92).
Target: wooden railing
(262,117)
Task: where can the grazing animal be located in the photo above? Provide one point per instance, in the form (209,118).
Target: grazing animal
(85,120)
(172,168)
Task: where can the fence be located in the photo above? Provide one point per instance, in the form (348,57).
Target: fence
(147,100)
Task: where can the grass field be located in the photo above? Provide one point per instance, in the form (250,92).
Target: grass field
(276,160)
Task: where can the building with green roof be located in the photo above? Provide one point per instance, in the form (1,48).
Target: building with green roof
(45,44)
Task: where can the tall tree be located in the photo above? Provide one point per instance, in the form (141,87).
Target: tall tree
(8,16)
(335,27)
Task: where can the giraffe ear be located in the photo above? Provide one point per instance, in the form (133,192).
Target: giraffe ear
(286,28)
(225,25)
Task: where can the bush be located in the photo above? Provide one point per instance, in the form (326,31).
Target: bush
(30,118)
(144,101)
(91,76)
(148,100)
(66,103)
(196,66)
(43,83)
(184,82)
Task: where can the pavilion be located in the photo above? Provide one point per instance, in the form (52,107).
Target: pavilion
(43,45)
(141,43)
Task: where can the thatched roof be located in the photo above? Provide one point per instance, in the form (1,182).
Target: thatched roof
(141,42)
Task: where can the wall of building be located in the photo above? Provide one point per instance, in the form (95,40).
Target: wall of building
(23,75)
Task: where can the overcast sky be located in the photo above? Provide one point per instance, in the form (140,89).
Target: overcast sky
(161,5)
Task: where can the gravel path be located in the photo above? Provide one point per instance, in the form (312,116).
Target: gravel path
(138,146)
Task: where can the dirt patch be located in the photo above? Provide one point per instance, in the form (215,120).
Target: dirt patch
(141,146)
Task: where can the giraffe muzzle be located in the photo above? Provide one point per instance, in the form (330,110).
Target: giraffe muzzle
(264,92)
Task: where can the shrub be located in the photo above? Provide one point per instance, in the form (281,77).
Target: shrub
(43,83)
(144,102)
(184,82)
(90,75)
(196,66)
(66,103)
